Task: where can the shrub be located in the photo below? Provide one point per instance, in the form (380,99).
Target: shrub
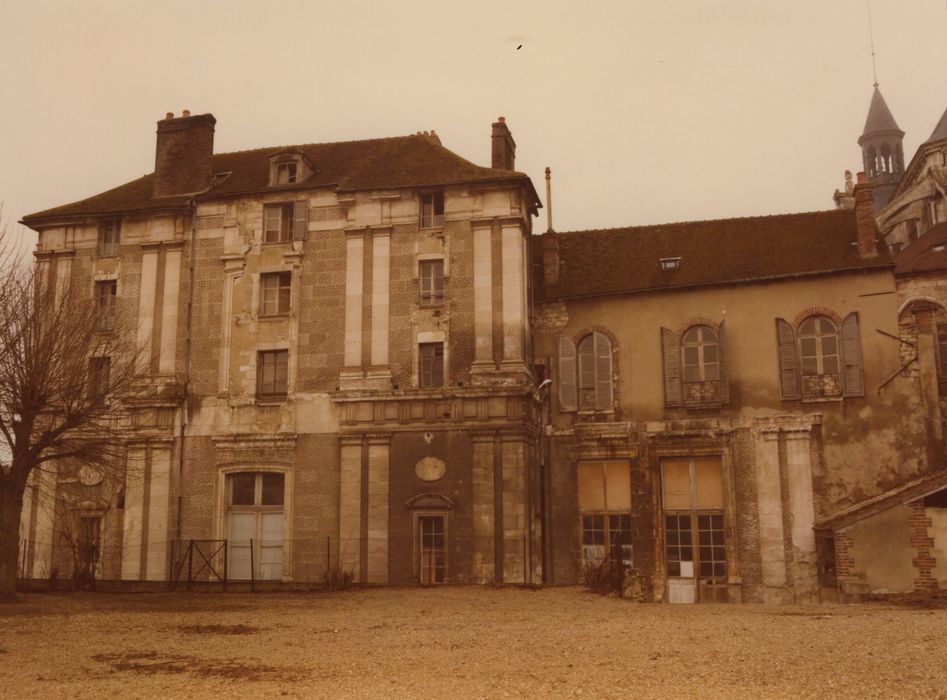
(335,578)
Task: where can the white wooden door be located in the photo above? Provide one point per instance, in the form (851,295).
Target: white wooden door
(271,546)
(242,531)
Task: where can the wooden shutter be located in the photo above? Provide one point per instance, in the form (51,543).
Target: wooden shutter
(671,352)
(788,370)
(724,393)
(301,220)
(603,372)
(853,379)
(568,393)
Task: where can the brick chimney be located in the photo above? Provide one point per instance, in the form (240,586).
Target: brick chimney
(184,154)
(504,147)
(865,226)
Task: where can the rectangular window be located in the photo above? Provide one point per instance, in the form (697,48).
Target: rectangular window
(432,364)
(275,288)
(432,282)
(99,377)
(695,551)
(272,373)
(277,222)
(105,294)
(432,209)
(606,535)
(432,551)
(285,173)
(109,239)
(605,505)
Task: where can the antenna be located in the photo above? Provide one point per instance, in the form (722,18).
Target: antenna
(871,39)
(548,199)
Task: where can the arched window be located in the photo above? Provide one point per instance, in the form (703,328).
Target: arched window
(595,372)
(819,356)
(872,161)
(700,356)
(885,158)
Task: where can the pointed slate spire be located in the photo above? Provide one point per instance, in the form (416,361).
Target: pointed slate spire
(879,117)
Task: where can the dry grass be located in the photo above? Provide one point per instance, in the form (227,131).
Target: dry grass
(461,642)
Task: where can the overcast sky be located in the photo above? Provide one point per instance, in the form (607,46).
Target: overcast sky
(646,111)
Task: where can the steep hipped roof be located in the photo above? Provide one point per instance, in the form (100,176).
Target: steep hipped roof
(402,161)
(879,117)
(624,260)
(940,131)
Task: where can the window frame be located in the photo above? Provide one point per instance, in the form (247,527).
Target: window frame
(285,233)
(275,395)
(434,294)
(100,369)
(280,276)
(607,509)
(819,338)
(596,404)
(109,239)
(436,380)
(433,218)
(105,304)
(290,167)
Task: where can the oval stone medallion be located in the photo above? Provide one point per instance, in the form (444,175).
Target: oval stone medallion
(430,469)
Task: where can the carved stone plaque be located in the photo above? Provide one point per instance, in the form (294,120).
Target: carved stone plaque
(89,476)
(430,469)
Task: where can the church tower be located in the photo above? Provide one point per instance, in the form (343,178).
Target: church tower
(882,153)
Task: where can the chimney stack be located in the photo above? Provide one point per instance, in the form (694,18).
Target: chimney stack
(184,154)
(504,147)
(865,226)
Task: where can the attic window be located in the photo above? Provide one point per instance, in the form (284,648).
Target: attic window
(285,173)
(670,263)
(220,178)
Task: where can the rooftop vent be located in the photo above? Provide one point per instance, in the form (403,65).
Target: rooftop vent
(670,263)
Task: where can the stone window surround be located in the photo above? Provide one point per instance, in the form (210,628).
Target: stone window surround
(222,506)
(424,337)
(290,372)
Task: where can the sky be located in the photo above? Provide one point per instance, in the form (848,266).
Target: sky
(646,111)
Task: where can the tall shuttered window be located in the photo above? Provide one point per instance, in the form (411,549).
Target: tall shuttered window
(595,391)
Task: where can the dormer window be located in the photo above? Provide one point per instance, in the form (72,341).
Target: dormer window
(289,168)
(670,263)
(285,173)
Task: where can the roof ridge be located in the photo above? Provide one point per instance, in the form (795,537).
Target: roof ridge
(321,143)
(704,221)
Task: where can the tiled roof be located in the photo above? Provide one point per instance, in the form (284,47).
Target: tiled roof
(925,255)
(622,260)
(879,116)
(402,161)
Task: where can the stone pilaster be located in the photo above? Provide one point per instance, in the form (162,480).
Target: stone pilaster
(802,507)
(769,502)
(377,548)
(350,505)
(484,514)
(515,531)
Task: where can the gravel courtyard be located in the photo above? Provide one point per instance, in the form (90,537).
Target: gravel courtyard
(461,642)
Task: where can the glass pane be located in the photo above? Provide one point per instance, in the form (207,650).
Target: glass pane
(243,485)
(692,335)
(711,372)
(810,366)
(807,347)
(710,353)
(807,327)
(272,489)
(829,345)
(830,365)
(691,373)
(674,568)
(691,355)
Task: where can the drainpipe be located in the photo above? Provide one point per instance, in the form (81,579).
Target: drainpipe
(183,421)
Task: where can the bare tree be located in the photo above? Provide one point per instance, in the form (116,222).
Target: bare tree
(67,376)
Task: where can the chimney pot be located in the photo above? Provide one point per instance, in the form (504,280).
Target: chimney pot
(862,178)
(186,113)
(502,120)
(169,115)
